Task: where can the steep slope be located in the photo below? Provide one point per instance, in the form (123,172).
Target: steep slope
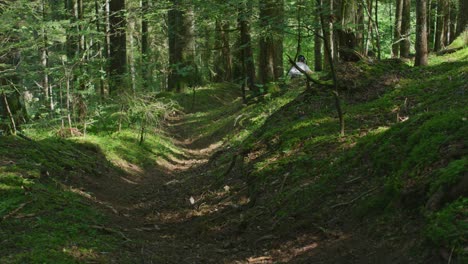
(393,190)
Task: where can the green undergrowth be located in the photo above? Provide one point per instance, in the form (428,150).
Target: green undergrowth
(403,156)
(42,220)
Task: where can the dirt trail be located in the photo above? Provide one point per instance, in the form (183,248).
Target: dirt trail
(180,213)
(177,212)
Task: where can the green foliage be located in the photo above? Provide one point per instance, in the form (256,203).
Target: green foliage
(386,167)
(449,227)
(41,221)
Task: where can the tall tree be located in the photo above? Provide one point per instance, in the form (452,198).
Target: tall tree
(145,41)
(223,62)
(118,43)
(181,46)
(318,66)
(397,28)
(405,29)
(441,34)
(271,40)
(421,33)
(247,59)
(462,21)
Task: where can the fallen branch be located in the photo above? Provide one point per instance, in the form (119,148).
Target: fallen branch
(112,231)
(448,51)
(309,78)
(355,199)
(260,259)
(21,206)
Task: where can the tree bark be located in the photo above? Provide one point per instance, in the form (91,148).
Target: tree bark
(318,64)
(397,29)
(118,44)
(440,34)
(271,41)
(405,29)
(244,16)
(360,27)
(462,20)
(223,62)
(183,71)
(421,33)
(48,102)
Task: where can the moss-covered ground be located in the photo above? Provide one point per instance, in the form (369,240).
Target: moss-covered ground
(220,181)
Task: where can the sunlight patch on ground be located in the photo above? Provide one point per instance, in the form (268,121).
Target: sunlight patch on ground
(287,251)
(179,165)
(129,167)
(83,254)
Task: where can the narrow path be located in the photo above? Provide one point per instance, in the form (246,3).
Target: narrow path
(177,213)
(180,212)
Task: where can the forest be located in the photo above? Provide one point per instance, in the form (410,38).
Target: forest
(238,131)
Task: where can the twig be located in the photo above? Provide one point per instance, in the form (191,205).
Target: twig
(283,182)
(450,257)
(110,230)
(353,179)
(21,206)
(355,199)
(302,71)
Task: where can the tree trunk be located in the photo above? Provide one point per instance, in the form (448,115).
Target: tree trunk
(45,62)
(145,72)
(430,28)
(118,48)
(397,29)
(183,71)
(271,42)
(245,12)
(144,28)
(405,44)
(462,20)
(360,27)
(326,7)
(421,34)
(377,32)
(370,30)
(99,48)
(318,64)
(346,36)
(223,62)
(440,34)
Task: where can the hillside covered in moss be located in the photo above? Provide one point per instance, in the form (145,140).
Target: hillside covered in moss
(270,181)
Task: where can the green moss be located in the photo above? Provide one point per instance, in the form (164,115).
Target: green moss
(449,227)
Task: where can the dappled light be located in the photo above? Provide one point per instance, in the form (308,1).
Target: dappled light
(233,132)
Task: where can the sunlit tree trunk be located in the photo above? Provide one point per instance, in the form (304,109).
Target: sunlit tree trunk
(421,34)
(440,34)
(405,29)
(49,103)
(397,28)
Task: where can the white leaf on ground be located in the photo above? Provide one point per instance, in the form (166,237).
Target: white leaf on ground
(192,200)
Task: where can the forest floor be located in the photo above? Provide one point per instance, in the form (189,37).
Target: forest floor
(267,182)
(177,212)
